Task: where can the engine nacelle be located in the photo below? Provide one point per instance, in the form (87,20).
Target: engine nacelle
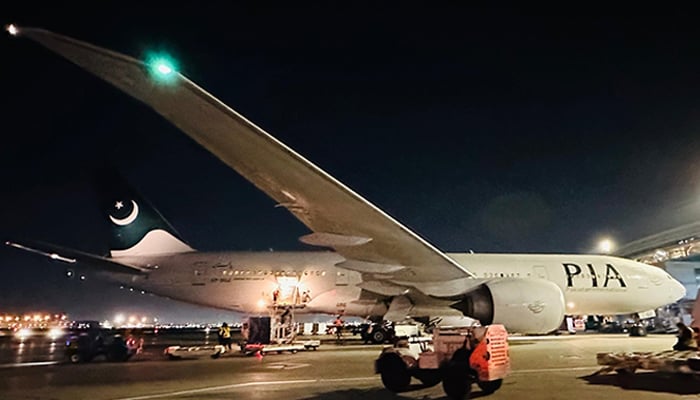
(523,305)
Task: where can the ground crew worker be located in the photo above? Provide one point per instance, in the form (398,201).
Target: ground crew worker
(225,336)
(685,338)
(338,325)
(275,296)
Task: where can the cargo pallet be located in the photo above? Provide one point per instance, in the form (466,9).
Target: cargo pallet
(668,361)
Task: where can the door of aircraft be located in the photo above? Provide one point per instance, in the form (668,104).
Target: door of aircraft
(287,291)
(200,276)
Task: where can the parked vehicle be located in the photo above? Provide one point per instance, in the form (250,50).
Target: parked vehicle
(88,341)
(458,356)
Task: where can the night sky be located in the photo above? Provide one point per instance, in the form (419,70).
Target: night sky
(490,130)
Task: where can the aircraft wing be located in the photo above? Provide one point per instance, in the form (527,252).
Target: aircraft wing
(339,218)
(71,256)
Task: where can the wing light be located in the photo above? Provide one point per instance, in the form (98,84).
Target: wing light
(162,67)
(12,29)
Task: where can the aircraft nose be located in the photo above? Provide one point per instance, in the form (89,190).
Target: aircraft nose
(677,289)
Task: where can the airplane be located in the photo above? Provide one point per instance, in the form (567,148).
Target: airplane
(371,265)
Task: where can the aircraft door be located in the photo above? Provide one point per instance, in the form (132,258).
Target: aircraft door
(200,276)
(287,291)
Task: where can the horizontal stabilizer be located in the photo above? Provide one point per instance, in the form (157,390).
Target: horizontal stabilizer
(71,256)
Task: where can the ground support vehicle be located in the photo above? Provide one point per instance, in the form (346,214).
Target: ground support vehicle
(670,361)
(458,356)
(274,334)
(85,345)
(377,333)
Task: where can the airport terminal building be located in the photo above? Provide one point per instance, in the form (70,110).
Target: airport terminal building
(676,250)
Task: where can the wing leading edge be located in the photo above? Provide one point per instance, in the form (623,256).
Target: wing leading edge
(339,217)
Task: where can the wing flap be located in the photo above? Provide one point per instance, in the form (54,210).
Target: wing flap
(319,201)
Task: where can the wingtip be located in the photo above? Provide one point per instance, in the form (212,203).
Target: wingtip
(13,29)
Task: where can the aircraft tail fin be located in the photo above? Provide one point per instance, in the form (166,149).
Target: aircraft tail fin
(137,227)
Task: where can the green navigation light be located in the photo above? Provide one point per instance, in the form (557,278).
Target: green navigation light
(162,67)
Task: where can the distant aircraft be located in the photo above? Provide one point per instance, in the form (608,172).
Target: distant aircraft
(378,267)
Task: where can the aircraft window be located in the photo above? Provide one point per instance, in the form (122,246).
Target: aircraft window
(323,273)
(306,273)
(501,274)
(318,273)
(197,272)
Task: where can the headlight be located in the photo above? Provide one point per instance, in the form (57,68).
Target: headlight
(23,333)
(55,333)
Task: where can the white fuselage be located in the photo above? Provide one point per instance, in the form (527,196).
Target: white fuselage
(246,281)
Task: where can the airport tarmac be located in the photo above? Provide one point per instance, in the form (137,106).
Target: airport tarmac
(554,367)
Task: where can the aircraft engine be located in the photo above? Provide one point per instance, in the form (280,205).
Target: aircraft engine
(522,305)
